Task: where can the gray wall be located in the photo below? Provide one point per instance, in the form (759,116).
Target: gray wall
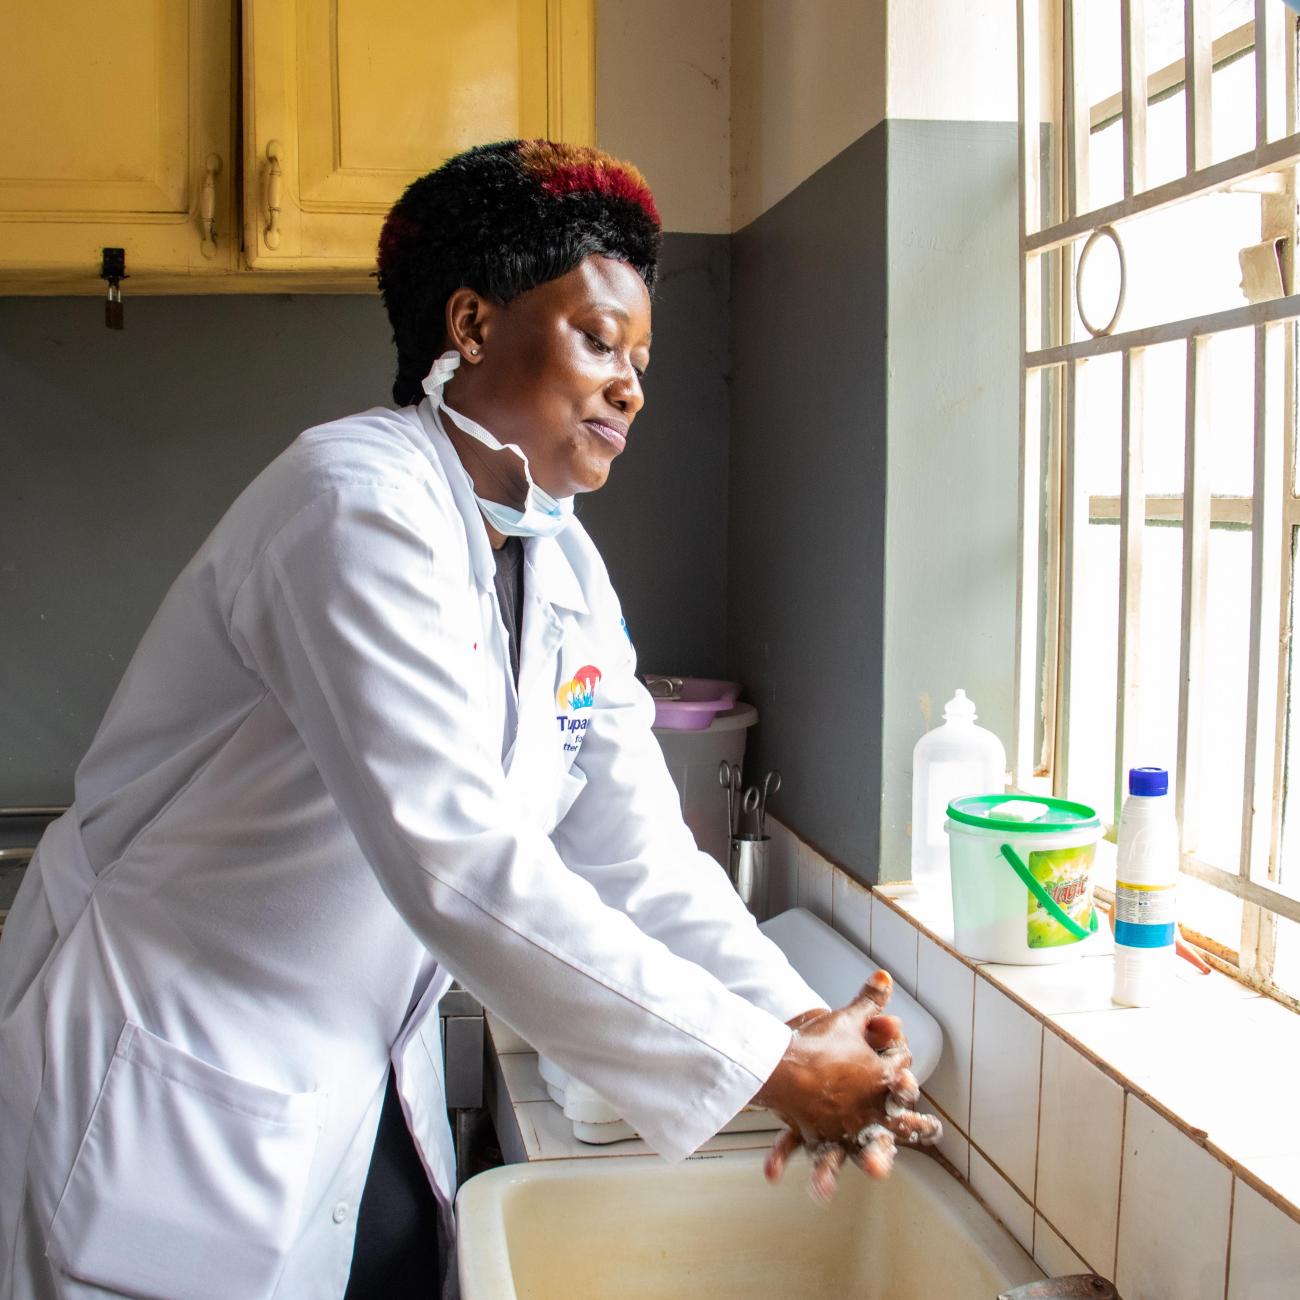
(808,496)
(874,469)
(119,451)
(661,520)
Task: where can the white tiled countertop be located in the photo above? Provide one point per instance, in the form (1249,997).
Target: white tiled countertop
(530,1126)
(1159,1147)
(1217,1059)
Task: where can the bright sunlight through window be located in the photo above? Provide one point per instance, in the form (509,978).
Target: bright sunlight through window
(1160,516)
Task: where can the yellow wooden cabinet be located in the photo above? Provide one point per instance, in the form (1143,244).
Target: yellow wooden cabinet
(348,101)
(120,129)
(117,120)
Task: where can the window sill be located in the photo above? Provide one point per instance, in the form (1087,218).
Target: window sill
(1184,1058)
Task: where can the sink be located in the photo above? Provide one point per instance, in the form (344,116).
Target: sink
(711,1228)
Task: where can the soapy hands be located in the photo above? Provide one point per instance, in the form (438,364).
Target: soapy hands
(845,1091)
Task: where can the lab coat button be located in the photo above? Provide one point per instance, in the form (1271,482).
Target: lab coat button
(340,1212)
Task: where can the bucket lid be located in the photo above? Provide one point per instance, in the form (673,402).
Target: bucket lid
(998,812)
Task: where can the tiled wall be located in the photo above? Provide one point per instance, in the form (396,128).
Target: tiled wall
(1082,1126)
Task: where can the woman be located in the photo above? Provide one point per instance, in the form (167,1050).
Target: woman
(385,730)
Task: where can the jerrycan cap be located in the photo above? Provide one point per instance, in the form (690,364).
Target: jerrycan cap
(1022,814)
(960,708)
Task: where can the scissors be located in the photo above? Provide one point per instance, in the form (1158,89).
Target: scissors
(751,801)
(771,784)
(729,780)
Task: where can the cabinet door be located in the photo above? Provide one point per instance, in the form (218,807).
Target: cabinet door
(111,114)
(348,101)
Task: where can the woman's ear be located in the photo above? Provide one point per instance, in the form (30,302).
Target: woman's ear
(466,313)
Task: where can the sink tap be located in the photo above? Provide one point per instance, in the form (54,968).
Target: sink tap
(1087,1285)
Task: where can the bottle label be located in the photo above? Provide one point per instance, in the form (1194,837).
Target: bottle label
(1066,874)
(1144,915)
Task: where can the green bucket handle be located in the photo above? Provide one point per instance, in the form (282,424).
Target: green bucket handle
(1054,909)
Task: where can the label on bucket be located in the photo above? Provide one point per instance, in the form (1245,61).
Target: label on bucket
(1066,874)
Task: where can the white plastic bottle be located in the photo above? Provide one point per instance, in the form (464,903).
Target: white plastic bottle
(953,760)
(1145,885)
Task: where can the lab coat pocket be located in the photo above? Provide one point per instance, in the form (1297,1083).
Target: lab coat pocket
(572,784)
(189,1181)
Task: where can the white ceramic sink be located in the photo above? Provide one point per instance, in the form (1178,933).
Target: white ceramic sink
(623,1228)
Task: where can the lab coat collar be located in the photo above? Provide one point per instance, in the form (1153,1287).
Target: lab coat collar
(462,491)
(554,580)
(553,577)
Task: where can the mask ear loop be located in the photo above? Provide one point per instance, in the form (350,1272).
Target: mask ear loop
(433,384)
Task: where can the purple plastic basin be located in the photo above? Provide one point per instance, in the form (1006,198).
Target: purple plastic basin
(702,700)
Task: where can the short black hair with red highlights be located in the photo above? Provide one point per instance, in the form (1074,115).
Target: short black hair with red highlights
(501,219)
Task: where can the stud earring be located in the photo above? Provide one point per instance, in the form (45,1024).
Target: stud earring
(473,352)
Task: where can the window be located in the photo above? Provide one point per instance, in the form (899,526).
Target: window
(1160,512)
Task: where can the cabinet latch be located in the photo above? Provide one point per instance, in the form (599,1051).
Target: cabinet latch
(112,268)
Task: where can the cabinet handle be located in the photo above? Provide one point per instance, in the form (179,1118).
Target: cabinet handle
(274,183)
(208,207)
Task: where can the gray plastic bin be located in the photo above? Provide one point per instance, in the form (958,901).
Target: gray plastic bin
(693,758)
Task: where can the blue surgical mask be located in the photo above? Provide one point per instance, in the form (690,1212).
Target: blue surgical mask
(543,515)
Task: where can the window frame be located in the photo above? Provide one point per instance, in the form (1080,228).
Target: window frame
(1053,511)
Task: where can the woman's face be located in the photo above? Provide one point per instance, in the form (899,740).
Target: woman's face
(558,372)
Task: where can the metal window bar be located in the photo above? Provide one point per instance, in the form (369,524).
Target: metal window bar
(1197,62)
(1276,156)
(1259,313)
(1270,72)
(1133,82)
(1196,534)
(1027,582)
(1077,121)
(1273,510)
(1132,524)
(1074,521)
(1029,41)
(1054,594)
(1248,891)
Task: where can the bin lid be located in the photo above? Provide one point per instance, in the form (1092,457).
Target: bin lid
(1007,812)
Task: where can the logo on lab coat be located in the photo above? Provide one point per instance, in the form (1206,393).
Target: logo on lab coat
(579,692)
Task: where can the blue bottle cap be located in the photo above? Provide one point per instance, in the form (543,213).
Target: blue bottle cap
(1148,781)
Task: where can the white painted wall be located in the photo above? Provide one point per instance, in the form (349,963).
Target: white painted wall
(807,80)
(663,102)
(952,60)
(728,105)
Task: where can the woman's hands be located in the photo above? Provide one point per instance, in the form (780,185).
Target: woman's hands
(845,1091)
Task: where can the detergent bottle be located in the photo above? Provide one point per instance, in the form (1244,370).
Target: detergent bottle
(1146,878)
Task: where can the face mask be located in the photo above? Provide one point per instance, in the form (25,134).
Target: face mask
(542,515)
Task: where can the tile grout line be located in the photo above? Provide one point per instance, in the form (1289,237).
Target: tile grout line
(1065,1240)
(1227,1256)
(1002,1173)
(970,1065)
(1119,1199)
(1038,1134)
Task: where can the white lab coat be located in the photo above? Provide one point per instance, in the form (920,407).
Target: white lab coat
(314,798)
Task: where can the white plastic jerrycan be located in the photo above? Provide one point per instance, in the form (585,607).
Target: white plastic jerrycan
(953,760)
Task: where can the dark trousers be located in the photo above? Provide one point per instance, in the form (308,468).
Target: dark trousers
(396,1255)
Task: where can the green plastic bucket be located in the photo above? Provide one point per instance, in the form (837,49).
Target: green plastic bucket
(1022,877)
